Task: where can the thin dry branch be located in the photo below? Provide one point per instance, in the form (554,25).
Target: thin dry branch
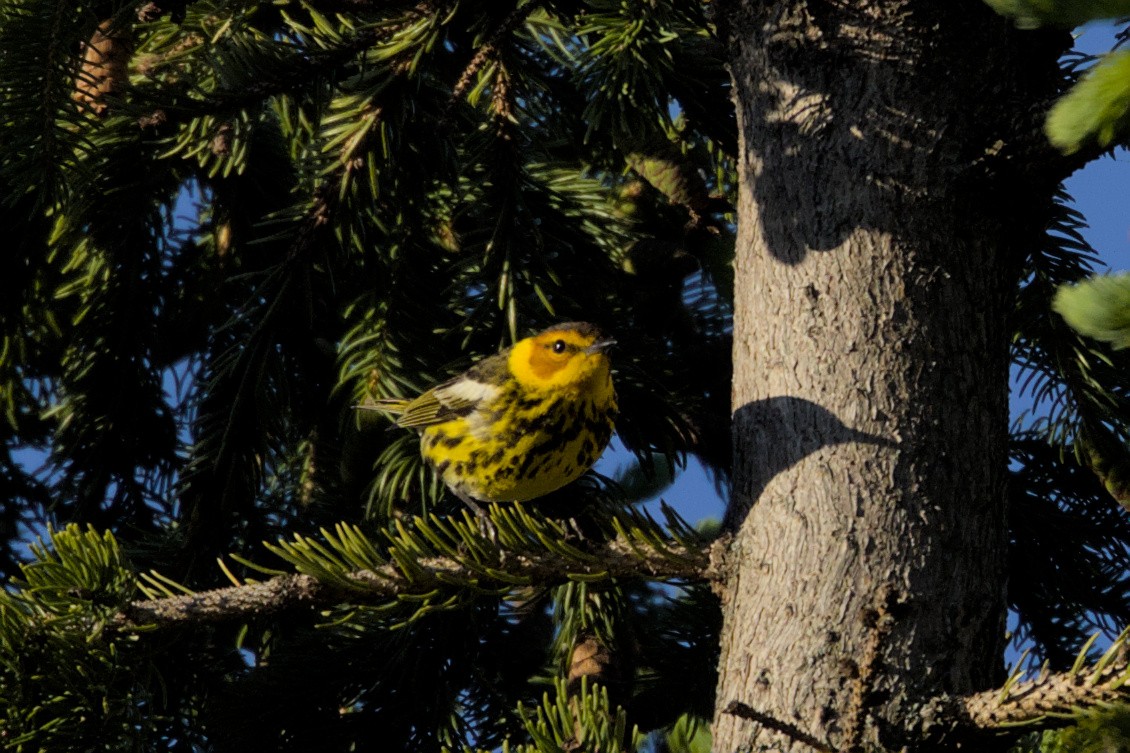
(791,731)
(289,592)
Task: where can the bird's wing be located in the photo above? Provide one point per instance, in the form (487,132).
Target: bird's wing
(456,398)
(437,405)
(425,410)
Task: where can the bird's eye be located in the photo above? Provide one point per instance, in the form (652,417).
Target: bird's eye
(559,346)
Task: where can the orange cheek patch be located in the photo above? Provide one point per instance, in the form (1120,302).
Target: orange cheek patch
(544,365)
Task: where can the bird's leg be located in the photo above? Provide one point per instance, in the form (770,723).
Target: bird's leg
(486,525)
(576,529)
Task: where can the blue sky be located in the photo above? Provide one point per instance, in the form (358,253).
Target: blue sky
(1102,189)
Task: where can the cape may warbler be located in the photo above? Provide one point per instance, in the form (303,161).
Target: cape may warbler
(521,423)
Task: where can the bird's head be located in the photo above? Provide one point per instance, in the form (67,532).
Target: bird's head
(568,357)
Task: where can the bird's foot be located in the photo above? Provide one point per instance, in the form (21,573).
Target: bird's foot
(486,526)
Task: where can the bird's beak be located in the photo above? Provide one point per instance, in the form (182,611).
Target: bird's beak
(600,346)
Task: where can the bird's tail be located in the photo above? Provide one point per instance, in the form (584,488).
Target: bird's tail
(392,406)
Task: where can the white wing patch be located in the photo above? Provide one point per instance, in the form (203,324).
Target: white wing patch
(468,390)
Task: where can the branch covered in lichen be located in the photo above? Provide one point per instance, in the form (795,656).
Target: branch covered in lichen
(430,557)
(287,592)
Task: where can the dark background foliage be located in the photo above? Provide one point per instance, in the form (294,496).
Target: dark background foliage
(229,223)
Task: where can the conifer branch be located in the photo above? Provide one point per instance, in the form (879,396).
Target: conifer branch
(1052,699)
(285,593)
(295,72)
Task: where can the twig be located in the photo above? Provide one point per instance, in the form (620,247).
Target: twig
(739,709)
(488,48)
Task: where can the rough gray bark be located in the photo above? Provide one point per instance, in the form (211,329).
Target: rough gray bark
(886,196)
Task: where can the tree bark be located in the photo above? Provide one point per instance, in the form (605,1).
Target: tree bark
(884,211)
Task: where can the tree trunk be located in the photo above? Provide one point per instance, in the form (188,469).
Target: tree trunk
(883,214)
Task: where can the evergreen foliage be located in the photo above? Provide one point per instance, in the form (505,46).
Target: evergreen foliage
(1098,108)
(1064,13)
(228,223)
(1098,308)
(1095,113)
(1107,730)
(67,680)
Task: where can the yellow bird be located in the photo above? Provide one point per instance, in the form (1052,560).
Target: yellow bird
(519,424)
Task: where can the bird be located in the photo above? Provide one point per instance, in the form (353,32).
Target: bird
(519,424)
